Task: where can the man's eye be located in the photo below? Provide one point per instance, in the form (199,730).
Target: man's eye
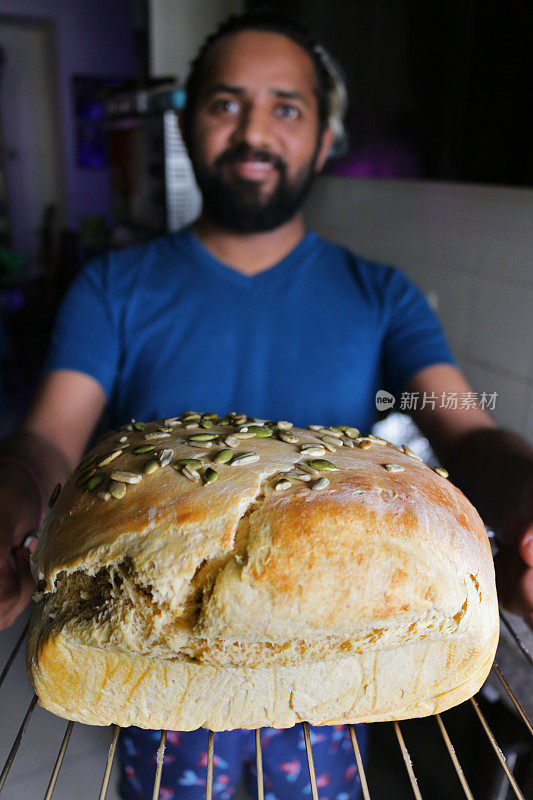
(288,111)
(227,106)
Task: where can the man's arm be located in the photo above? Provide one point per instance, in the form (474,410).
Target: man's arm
(47,446)
(494,468)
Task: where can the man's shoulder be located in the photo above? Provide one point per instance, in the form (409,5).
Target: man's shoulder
(147,251)
(123,265)
(365,268)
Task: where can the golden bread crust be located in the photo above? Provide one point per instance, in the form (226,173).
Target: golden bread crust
(381,581)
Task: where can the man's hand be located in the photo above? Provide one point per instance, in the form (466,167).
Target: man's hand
(494,468)
(16,584)
(49,443)
(20,511)
(514,562)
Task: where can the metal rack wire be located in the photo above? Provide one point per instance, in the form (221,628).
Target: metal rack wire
(366,791)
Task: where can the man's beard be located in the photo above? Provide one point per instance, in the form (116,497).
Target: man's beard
(238,205)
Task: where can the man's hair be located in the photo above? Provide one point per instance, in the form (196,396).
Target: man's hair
(330,89)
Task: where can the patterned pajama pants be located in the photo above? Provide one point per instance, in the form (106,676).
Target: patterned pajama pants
(285,770)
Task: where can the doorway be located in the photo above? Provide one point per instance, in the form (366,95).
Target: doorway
(31,162)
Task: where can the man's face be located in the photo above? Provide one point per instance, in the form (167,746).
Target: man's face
(255,143)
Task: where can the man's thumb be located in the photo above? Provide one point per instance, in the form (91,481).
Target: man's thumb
(525,547)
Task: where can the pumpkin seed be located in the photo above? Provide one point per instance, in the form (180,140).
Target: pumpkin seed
(246,434)
(351,433)
(85,476)
(330,432)
(321,483)
(302,476)
(206,423)
(116,489)
(94,481)
(187,416)
(261,431)
(283,425)
(159,435)
(313,450)
(121,439)
(201,437)
(224,421)
(210,475)
(143,448)
(87,461)
(409,452)
(126,477)
(282,485)
(315,427)
(231,441)
(364,444)
(244,458)
(329,447)
(164,429)
(441,471)
(139,426)
(239,419)
(127,427)
(394,467)
(307,469)
(288,436)
(322,465)
(152,465)
(173,421)
(54,495)
(223,456)
(103,494)
(336,442)
(210,415)
(348,442)
(195,463)
(165,457)
(377,439)
(191,474)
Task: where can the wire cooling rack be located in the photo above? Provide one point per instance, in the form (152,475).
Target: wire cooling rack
(509,785)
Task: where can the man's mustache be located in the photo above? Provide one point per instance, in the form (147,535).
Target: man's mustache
(245,153)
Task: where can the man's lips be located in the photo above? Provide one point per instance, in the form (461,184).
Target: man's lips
(252,170)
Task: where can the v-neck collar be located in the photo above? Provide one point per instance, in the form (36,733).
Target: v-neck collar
(267,276)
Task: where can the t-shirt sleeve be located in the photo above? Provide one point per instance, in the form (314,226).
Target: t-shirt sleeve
(85,336)
(414,338)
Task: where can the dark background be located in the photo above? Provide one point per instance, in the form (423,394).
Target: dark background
(438,90)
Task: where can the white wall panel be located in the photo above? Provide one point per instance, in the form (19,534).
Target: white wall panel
(177,28)
(472,246)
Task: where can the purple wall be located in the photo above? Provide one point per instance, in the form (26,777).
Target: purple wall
(93,37)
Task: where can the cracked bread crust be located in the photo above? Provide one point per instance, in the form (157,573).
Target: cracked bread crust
(382,579)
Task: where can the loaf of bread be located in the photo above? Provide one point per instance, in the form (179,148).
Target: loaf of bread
(238,573)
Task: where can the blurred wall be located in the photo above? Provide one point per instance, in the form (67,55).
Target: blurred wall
(93,37)
(469,248)
(177,28)
(28,104)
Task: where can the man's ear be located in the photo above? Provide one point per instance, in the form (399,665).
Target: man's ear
(326,141)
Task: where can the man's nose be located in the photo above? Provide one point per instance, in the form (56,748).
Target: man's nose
(255,127)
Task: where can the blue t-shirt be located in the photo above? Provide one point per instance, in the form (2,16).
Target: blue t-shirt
(166,327)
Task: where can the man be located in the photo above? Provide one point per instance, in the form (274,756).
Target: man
(247,311)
